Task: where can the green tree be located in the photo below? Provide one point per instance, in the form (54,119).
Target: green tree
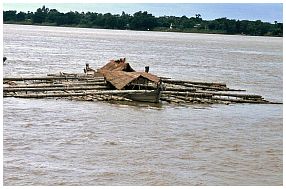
(72,18)
(143,21)
(123,21)
(198,18)
(110,21)
(40,15)
(9,15)
(20,16)
(52,16)
(61,19)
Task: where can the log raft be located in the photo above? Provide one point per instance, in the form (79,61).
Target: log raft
(62,94)
(85,87)
(43,89)
(49,78)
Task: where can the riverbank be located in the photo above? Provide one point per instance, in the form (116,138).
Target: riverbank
(144,21)
(157,29)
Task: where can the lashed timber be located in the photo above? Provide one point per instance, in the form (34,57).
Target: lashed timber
(57,85)
(258,101)
(193,82)
(11,89)
(52,78)
(106,92)
(178,93)
(231,94)
(120,75)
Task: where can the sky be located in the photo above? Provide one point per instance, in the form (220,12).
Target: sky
(266,12)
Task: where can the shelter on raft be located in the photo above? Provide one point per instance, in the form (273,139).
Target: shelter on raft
(120,75)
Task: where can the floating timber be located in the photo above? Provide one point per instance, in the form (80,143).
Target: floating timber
(63,94)
(10,89)
(49,78)
(118,81)
(173,91)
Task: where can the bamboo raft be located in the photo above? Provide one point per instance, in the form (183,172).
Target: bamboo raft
(92,88)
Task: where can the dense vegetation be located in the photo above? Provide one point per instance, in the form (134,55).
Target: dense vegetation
(144,21)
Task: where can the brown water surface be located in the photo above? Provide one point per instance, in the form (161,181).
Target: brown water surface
(62,142)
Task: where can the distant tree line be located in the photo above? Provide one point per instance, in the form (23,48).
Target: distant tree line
(144,21)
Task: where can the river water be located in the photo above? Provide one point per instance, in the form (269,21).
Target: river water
(63,142)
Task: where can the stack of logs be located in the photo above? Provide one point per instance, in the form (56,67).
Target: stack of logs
(88,88)
(204,92)
(72,86)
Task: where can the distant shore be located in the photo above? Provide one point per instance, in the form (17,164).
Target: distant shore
(154,30)
(144,21)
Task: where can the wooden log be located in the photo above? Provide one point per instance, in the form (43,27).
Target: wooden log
(178,93)
(57,85)
(167,99)
(195,99)
(12,89)
(179,89)
(94,79)
(261,101)
(268,102)
(44,95)
(52,78)
(67,74)
(212,88)
(205,87)
(63,81)
(193,82)
(183,99)
(106,92)
(63,74)
(172,99)
(231,94)
(167,88)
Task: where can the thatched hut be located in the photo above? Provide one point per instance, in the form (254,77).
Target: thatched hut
(130,80)
(120,75)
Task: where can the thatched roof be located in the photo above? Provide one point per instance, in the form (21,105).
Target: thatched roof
(117,65)
(120,74)
(120,79)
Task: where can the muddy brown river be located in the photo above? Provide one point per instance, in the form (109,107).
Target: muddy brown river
(64,142)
